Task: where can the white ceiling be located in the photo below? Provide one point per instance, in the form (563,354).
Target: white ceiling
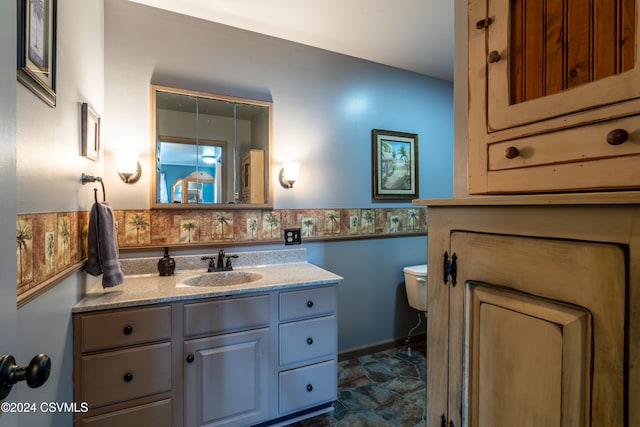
(415,35)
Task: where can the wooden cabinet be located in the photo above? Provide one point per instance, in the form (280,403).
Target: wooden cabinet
(308,349)
(554,95)
(227,374)
(533,314)
(253,176)
(123,366)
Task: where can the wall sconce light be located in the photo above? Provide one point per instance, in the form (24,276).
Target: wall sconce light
(289,174)
(128,166)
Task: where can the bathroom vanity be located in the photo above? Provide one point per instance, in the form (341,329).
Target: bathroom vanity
(154,351)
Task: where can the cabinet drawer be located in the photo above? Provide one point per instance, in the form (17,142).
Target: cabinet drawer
(157,414)
(573,145)
(308,339)
(120,328)
(307,386)
(123,375)
(308,303)
(226,315)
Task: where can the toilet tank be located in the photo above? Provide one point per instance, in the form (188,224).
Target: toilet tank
(415,279)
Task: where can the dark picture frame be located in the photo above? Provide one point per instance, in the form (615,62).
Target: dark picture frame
(90,132)
(37,25)
(394,165)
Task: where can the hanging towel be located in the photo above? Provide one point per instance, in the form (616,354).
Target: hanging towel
(103,251)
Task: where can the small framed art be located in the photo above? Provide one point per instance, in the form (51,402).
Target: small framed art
(37,47)
(394,165)
(90,132)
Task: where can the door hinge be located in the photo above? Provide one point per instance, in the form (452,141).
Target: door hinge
(450,268)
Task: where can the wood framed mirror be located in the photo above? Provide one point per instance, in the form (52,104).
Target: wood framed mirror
(199,140)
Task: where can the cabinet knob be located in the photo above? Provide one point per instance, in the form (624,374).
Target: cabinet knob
(309,387)
(128,330)
(190,358)
(309,303)
(309,340)
(494,56)
(617,136)
(128,377)
(511,153)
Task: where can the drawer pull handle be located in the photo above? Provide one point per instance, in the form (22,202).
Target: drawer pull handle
(309,387)
(128,330)
(190,358)
(617,137)
(128,377)
(309,340)
(494,56)
(511,153)
(309,303)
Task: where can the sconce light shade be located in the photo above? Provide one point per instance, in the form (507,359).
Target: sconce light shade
(289,174)
(128,166)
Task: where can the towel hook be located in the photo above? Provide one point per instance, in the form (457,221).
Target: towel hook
(89,178)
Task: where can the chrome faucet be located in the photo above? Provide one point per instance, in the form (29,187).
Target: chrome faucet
(219,264)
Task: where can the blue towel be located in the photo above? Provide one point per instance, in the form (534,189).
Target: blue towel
(103,250)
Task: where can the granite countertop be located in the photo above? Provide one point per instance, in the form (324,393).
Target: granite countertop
(144,288)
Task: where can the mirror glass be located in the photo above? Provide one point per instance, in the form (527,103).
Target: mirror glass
(210,149)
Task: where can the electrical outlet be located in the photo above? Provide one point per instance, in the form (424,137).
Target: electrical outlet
(292,236)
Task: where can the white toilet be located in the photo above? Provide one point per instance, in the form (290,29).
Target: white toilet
(415,282)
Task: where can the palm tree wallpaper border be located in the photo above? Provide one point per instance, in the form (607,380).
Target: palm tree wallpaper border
(50,243)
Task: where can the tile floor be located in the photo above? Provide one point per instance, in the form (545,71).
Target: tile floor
(380,389)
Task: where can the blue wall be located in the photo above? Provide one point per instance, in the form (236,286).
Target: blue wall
(324,108)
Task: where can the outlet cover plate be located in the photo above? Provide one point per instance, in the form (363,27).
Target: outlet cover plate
(292,236)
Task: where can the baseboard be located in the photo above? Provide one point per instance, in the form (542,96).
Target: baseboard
(418,340)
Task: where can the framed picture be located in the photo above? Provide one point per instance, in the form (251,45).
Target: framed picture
(394,165)
(90,132)
(37,47)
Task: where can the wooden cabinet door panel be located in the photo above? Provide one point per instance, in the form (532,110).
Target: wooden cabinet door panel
(557,57)
(523,348)
(583,274)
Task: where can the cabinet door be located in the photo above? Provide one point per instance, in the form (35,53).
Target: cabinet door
(549,58)
(554,95)
(226,379)
(542,336)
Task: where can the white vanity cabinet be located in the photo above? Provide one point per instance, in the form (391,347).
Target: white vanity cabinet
(308,347)
(226,366)
(244,359)
(122,368)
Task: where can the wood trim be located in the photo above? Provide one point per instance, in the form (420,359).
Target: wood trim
(48,284)
(609,198)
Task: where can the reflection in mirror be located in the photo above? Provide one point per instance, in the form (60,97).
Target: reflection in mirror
(201,144)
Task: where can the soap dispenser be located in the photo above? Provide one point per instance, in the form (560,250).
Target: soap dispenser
(166,265)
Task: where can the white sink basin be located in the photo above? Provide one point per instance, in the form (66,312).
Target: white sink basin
(222,278)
